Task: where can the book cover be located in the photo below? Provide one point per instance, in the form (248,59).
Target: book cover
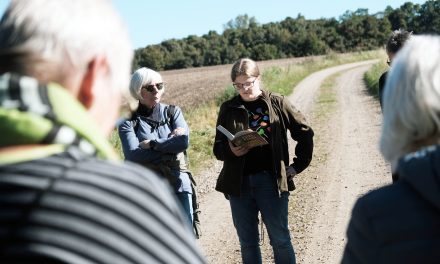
(247,138)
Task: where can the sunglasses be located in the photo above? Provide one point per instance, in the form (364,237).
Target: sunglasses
(150,87)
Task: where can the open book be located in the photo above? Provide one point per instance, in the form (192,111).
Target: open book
(245,138)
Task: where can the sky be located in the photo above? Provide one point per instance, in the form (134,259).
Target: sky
(151,22)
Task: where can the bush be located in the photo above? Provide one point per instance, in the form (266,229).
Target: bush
(372,76)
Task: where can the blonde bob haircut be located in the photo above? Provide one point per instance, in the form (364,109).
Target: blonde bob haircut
(412,99)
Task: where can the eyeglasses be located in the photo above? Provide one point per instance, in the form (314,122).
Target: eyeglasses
(150,87)
(246,85)
(388,61)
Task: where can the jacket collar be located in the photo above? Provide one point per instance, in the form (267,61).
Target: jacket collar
(421,170)
(237,102)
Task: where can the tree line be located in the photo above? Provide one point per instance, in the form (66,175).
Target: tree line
(292,37)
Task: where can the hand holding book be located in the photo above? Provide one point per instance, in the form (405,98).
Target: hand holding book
(245,138)
(238,151)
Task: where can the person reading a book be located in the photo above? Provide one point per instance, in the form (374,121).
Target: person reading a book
(157,137)
(258,179)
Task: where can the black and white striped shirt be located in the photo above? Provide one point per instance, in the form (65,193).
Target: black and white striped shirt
(69,208)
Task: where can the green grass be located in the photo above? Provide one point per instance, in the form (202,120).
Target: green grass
(201,121)
(283,80)
(326,101)
(115,141)
(371,77)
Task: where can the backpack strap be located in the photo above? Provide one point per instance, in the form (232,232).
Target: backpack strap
(169,119)
(134,121)
(171,111)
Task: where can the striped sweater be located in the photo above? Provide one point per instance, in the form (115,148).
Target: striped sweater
(72,208)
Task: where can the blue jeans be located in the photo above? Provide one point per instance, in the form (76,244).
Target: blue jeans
(259,193)
(185,199)
(183,192)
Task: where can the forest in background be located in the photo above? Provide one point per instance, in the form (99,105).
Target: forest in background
(292,37)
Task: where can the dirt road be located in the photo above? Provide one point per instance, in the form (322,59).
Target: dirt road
(346,164)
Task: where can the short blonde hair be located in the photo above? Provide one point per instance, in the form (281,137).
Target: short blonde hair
(412,96)
(246,67)
(141,77)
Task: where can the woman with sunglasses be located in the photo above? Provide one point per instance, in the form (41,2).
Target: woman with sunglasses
(259,179)
(157,137)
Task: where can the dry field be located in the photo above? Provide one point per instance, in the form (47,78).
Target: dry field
(189,88)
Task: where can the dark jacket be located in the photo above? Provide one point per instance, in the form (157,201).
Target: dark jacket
(283,116)
(382,81)
(400,223)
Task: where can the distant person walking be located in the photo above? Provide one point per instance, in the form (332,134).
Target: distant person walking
(259,179)
(394,44)
(400,223)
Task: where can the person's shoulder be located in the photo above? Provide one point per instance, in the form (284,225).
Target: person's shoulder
(234,101)
(123,171)
(123,122)
(115,170)
(125,176)
(77,166)
(384,200)
(274,97)
(175,108)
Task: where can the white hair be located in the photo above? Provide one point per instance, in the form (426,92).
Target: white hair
(66,34)
(412,99)
(141,77)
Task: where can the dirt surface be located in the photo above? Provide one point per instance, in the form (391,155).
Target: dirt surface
(346,164)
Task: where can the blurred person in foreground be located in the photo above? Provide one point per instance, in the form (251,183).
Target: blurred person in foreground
(394,44)
(259,179)
(157,136)
(64,197)
(400,223)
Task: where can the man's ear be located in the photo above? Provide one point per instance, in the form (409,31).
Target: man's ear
(96,68)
